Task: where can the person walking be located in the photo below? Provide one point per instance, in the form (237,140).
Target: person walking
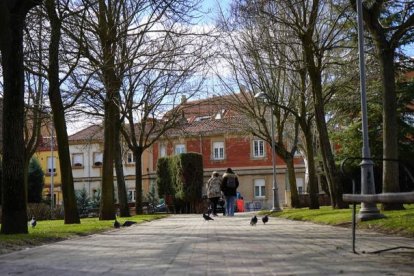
(229,186)
(214,191)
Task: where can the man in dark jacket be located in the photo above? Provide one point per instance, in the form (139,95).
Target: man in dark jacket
(229,186)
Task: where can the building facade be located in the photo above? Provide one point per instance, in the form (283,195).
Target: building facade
(86,150)
(207,128)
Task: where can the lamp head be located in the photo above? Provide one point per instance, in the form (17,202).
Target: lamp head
(261,97)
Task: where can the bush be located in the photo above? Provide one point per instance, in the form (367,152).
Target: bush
(35,182)
(182,177)
(83,202)
(164,181)
(42,211)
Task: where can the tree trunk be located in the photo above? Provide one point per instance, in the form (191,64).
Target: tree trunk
(138,179)
(107,210)
(332,174)
(294,197)
(14,208)
(122,192)
(313,180)
(71,215)
(390,173)
(306,126)
(108,38)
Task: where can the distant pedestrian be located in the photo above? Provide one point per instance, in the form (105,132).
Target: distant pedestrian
(229,186)
(214,191)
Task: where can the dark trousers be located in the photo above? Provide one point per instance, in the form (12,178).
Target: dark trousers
(213,204)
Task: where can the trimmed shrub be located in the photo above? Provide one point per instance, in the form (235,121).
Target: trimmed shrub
(164,183)
(181,176)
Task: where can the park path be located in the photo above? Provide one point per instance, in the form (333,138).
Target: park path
(188,245)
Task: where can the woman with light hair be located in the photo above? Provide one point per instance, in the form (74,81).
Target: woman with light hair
(214,191)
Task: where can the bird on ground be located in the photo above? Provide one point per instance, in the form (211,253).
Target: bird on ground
(207,217)
(253,221)
(33,222)
(128,223)
(265,219)
(117,224)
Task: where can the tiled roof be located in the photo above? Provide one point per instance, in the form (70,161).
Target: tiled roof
(199,118)
(230,125)
(205,108)
(94,132)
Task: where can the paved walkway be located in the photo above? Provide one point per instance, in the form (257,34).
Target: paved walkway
(187,245)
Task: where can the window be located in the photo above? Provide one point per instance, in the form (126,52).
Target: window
(131,195)
(258,148)
(202,118)
(97,159)
(77,160)
(51,165)
(163,150)
(300,185)
(259,188)
(220,114)
(218,150)
(179,148)
(131,158)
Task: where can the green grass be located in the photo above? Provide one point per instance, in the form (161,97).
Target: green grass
(395,222)
(55,230)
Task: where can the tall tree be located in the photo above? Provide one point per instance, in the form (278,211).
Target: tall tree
(317,26)
(35,84)
(123,37)
(263,58)
(391,25)
(14,208)
(58,111)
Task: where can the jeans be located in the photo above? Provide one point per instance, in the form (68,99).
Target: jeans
(230,205)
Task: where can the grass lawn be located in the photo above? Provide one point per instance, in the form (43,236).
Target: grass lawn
(55,230)
(395,222)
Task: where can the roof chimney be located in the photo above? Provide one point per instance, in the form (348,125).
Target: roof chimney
(183,99)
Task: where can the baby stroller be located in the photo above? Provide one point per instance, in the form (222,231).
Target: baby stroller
(220,208)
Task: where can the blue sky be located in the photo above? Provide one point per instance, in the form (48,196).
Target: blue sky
(212,5)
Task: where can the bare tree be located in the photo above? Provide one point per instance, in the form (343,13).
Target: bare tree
(56,16)
(120,37)
(318,27)
(14,208)
(34,85)
(167,68)
(264,60)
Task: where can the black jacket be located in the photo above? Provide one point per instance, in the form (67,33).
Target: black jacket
(227,191)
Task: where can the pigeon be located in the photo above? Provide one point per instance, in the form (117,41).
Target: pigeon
(33,222)
(128,223)
(117,224)
(265,219)
(253,221)
(207,217)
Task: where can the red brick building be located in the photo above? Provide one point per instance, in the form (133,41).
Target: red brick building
(217,133)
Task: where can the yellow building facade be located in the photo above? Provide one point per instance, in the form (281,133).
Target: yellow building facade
(49,162)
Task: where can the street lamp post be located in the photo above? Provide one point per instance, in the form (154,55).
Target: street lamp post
(276,207)
(368,210)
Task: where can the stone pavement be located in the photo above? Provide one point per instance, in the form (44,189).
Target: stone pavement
(187,245)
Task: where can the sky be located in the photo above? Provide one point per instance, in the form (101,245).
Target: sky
(212,6)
